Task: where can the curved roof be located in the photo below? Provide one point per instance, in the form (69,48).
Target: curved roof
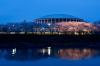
(58,16)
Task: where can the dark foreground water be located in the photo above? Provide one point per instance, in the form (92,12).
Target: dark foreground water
(50,56)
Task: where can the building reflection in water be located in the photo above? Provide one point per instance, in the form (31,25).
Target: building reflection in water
(46,51)
(77,53)
(16,54)
(14,51)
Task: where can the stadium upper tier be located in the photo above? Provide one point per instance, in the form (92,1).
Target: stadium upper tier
(57,18)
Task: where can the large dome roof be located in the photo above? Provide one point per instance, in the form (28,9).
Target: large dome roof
(58,16)
(54,18)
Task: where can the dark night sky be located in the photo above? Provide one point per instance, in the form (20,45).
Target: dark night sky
(18,10)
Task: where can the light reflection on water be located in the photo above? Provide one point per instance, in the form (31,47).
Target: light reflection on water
(76,54)
(32,54)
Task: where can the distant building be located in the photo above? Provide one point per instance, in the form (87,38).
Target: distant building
(64,23)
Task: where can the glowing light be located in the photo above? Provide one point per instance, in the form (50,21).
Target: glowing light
(49,51)
(76,33)
(12,32)
(43,51)
(49,24)
(13,51)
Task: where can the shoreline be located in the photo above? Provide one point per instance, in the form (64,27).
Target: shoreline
(31,40)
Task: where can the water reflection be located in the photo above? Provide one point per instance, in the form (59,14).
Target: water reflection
(17,54)
(77,53)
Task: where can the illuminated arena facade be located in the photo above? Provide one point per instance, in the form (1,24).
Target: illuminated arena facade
(62,23)
(57,18)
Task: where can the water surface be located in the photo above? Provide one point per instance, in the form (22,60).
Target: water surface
(50,56)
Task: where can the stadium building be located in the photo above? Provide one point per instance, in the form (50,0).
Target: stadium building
(62,23)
